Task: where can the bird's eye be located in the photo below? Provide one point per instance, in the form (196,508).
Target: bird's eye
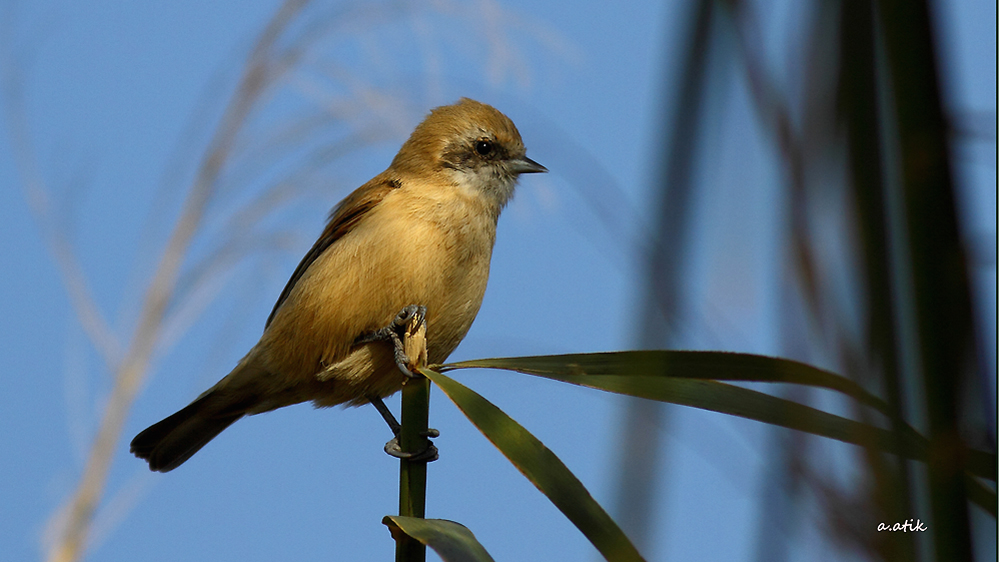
(484,147)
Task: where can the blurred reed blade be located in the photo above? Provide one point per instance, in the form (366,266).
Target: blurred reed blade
(453,542)
(859,110)
(542,468)
(640,469)
(940,306)
(685,378)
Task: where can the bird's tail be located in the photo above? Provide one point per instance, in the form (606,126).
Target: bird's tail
(168,443)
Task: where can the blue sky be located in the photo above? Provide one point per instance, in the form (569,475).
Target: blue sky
(120,95)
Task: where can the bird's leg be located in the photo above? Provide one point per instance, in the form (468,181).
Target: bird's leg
(407,332)
(393,423)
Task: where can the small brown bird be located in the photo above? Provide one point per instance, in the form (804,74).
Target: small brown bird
(420,233)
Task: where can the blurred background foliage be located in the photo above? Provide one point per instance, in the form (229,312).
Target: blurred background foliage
(881,271)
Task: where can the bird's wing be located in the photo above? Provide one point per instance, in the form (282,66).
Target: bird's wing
(343,218)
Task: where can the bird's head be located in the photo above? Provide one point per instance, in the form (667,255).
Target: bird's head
(471,144)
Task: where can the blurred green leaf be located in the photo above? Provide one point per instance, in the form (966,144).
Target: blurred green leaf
(686,378)
(542,468)
(453,542)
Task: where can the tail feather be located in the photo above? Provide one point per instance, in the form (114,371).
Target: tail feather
(170,442)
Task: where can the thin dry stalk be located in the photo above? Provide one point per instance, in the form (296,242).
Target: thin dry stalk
(131,367)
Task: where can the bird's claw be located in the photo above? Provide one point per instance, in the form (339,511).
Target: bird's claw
(405,326)
(409,313)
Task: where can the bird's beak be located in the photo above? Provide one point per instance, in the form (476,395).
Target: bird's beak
(525,165)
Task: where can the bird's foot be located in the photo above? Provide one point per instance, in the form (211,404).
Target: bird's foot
(407,334)
(428,454)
